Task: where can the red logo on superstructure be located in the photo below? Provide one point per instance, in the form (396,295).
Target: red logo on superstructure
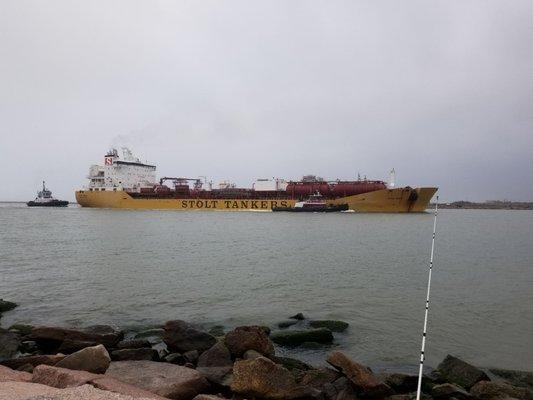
(109,161)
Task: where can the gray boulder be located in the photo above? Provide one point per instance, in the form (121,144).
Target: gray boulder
(516,378)
(145,353)
(296,338)
(251,355)
(454,370)
(180,337)
(133,344)
(22,329)
(92,359)
(216,356)
(217,330)
(16,363)
(291,363)
(6,305)
(299,316)
(215,365)
(286,324)
(9,344)
(175,358)
(191,356)
(334,326)
(317,378)
(401,383)
(152,333)
(448,390)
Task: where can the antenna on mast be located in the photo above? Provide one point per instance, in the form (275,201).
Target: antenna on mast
(392,179)
(422,357)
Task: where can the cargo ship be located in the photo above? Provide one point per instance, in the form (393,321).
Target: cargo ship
(126,182)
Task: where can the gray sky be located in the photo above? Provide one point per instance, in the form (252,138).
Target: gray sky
(440,90)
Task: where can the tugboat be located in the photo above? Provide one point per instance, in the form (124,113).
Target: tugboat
(315,203)
(44,199)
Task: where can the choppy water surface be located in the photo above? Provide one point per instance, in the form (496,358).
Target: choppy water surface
(80,266)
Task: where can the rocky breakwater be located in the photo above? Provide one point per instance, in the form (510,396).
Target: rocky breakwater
(181,361)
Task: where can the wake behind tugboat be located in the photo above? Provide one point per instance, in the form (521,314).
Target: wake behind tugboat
(44,199)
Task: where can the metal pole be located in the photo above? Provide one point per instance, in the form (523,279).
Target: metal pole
(418,390)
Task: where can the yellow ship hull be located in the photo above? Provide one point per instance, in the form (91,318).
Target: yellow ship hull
(387,200)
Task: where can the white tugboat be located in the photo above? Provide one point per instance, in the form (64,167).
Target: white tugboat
(315,203)
(44,199)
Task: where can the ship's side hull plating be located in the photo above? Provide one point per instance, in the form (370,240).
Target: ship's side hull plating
(386,200)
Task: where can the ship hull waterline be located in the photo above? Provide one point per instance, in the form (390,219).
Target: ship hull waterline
(398,200)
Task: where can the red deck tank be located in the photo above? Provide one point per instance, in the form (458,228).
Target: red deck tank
(342,189)
(305,189)
(333,189)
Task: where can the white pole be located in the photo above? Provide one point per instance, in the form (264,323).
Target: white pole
(418,390)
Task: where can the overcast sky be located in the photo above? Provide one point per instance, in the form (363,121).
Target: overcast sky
(440,90)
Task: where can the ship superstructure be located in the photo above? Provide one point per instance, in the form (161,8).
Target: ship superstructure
(126,173)
(126,182)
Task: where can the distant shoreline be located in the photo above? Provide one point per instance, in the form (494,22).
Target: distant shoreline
(487,205)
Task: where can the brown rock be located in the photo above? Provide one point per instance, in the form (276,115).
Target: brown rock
(263,378)
(181,337)
(317,378)
(61,377)
(13,390)
(16,363)
(50,337)
(28,390)
(167,380)
(7,374)
(487,390)
(92,359)
(135,354)
(70,346)
(360,375)
(116,386)
(245,338)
